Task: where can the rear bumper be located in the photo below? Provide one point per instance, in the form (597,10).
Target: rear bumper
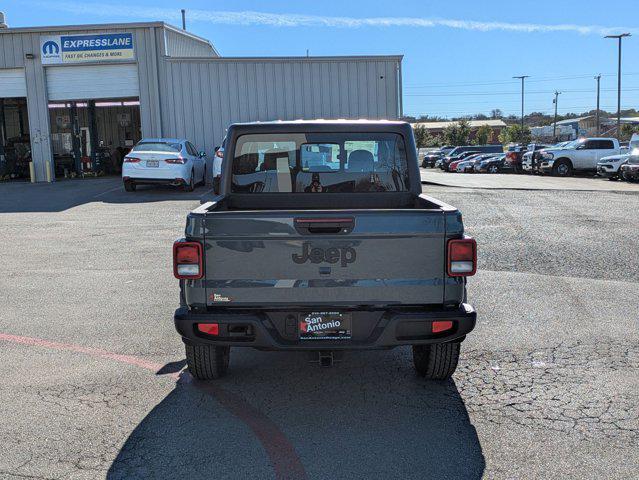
(155,181)
(162,174)
(390,329)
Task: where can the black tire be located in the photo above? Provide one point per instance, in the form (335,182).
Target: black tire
(493,169)
(620,176)
(437,361)
(207,362)
(562,168)
(189,187)
(129,186)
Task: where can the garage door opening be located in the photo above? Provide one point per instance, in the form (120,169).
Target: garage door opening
(91,137)
(15,147)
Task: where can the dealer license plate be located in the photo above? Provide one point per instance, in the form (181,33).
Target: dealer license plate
(325,326)
(152,163)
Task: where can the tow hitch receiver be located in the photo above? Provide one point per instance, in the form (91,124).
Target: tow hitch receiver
(324,358)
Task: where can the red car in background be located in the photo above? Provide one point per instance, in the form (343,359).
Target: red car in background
(452,166)
(514,156)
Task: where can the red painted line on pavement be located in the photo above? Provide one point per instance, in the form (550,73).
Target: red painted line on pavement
(95,352)
(282,454)
(286,463)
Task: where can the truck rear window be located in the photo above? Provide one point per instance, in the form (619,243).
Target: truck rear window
(320,163)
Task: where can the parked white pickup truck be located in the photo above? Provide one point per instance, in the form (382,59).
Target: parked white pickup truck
(578,155)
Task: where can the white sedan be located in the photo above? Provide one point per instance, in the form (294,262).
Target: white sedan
(170,161)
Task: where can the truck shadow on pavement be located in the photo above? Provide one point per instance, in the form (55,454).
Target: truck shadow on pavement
(65,194)
(368,416)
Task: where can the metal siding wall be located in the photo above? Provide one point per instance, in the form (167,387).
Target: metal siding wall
(11,51)
(201,98)
(178,45)
(37,107)
(146,47)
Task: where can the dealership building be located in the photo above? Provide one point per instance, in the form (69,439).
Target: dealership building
(75,98)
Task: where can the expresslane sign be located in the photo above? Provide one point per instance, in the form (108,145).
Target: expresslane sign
(57,49)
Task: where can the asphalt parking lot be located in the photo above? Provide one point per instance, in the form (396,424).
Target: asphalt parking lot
(92,382)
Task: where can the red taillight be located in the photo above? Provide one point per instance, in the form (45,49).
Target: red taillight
(220,153)
(131,160)
(180,161)
(462,257)
(187,260)
(209,328)
(441,325)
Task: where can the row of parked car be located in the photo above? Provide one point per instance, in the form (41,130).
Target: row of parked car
(464,159)
(602,156)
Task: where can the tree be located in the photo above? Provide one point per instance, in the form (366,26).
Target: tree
(515,134)
(627,129)
(421,136)
(484,135)
(457,133)
(496,113)
(436,141)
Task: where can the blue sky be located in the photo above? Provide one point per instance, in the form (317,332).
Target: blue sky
(459,56)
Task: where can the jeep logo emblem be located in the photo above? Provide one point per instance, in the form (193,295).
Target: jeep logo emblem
(344,255)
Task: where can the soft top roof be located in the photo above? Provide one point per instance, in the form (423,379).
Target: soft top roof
(321,125)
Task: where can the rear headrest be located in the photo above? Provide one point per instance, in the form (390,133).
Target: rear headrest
(245,164)
(270,159)
(360,161)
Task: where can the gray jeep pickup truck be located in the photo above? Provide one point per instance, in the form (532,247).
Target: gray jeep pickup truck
(321,239)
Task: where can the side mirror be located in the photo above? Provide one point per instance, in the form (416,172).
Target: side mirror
(202,154)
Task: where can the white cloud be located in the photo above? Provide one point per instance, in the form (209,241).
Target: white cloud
(294,20)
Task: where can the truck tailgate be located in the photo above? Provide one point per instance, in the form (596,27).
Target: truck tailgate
(330,258)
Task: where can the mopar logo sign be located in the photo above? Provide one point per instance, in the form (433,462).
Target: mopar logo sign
(50,49)
(87,48)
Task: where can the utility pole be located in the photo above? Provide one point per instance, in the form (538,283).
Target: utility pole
(618,37)
(183,19)
(554,125)
(522,78)
(598,78)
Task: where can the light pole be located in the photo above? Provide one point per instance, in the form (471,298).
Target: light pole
(554,125)
(598,78)
(522,77)
(618,37)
